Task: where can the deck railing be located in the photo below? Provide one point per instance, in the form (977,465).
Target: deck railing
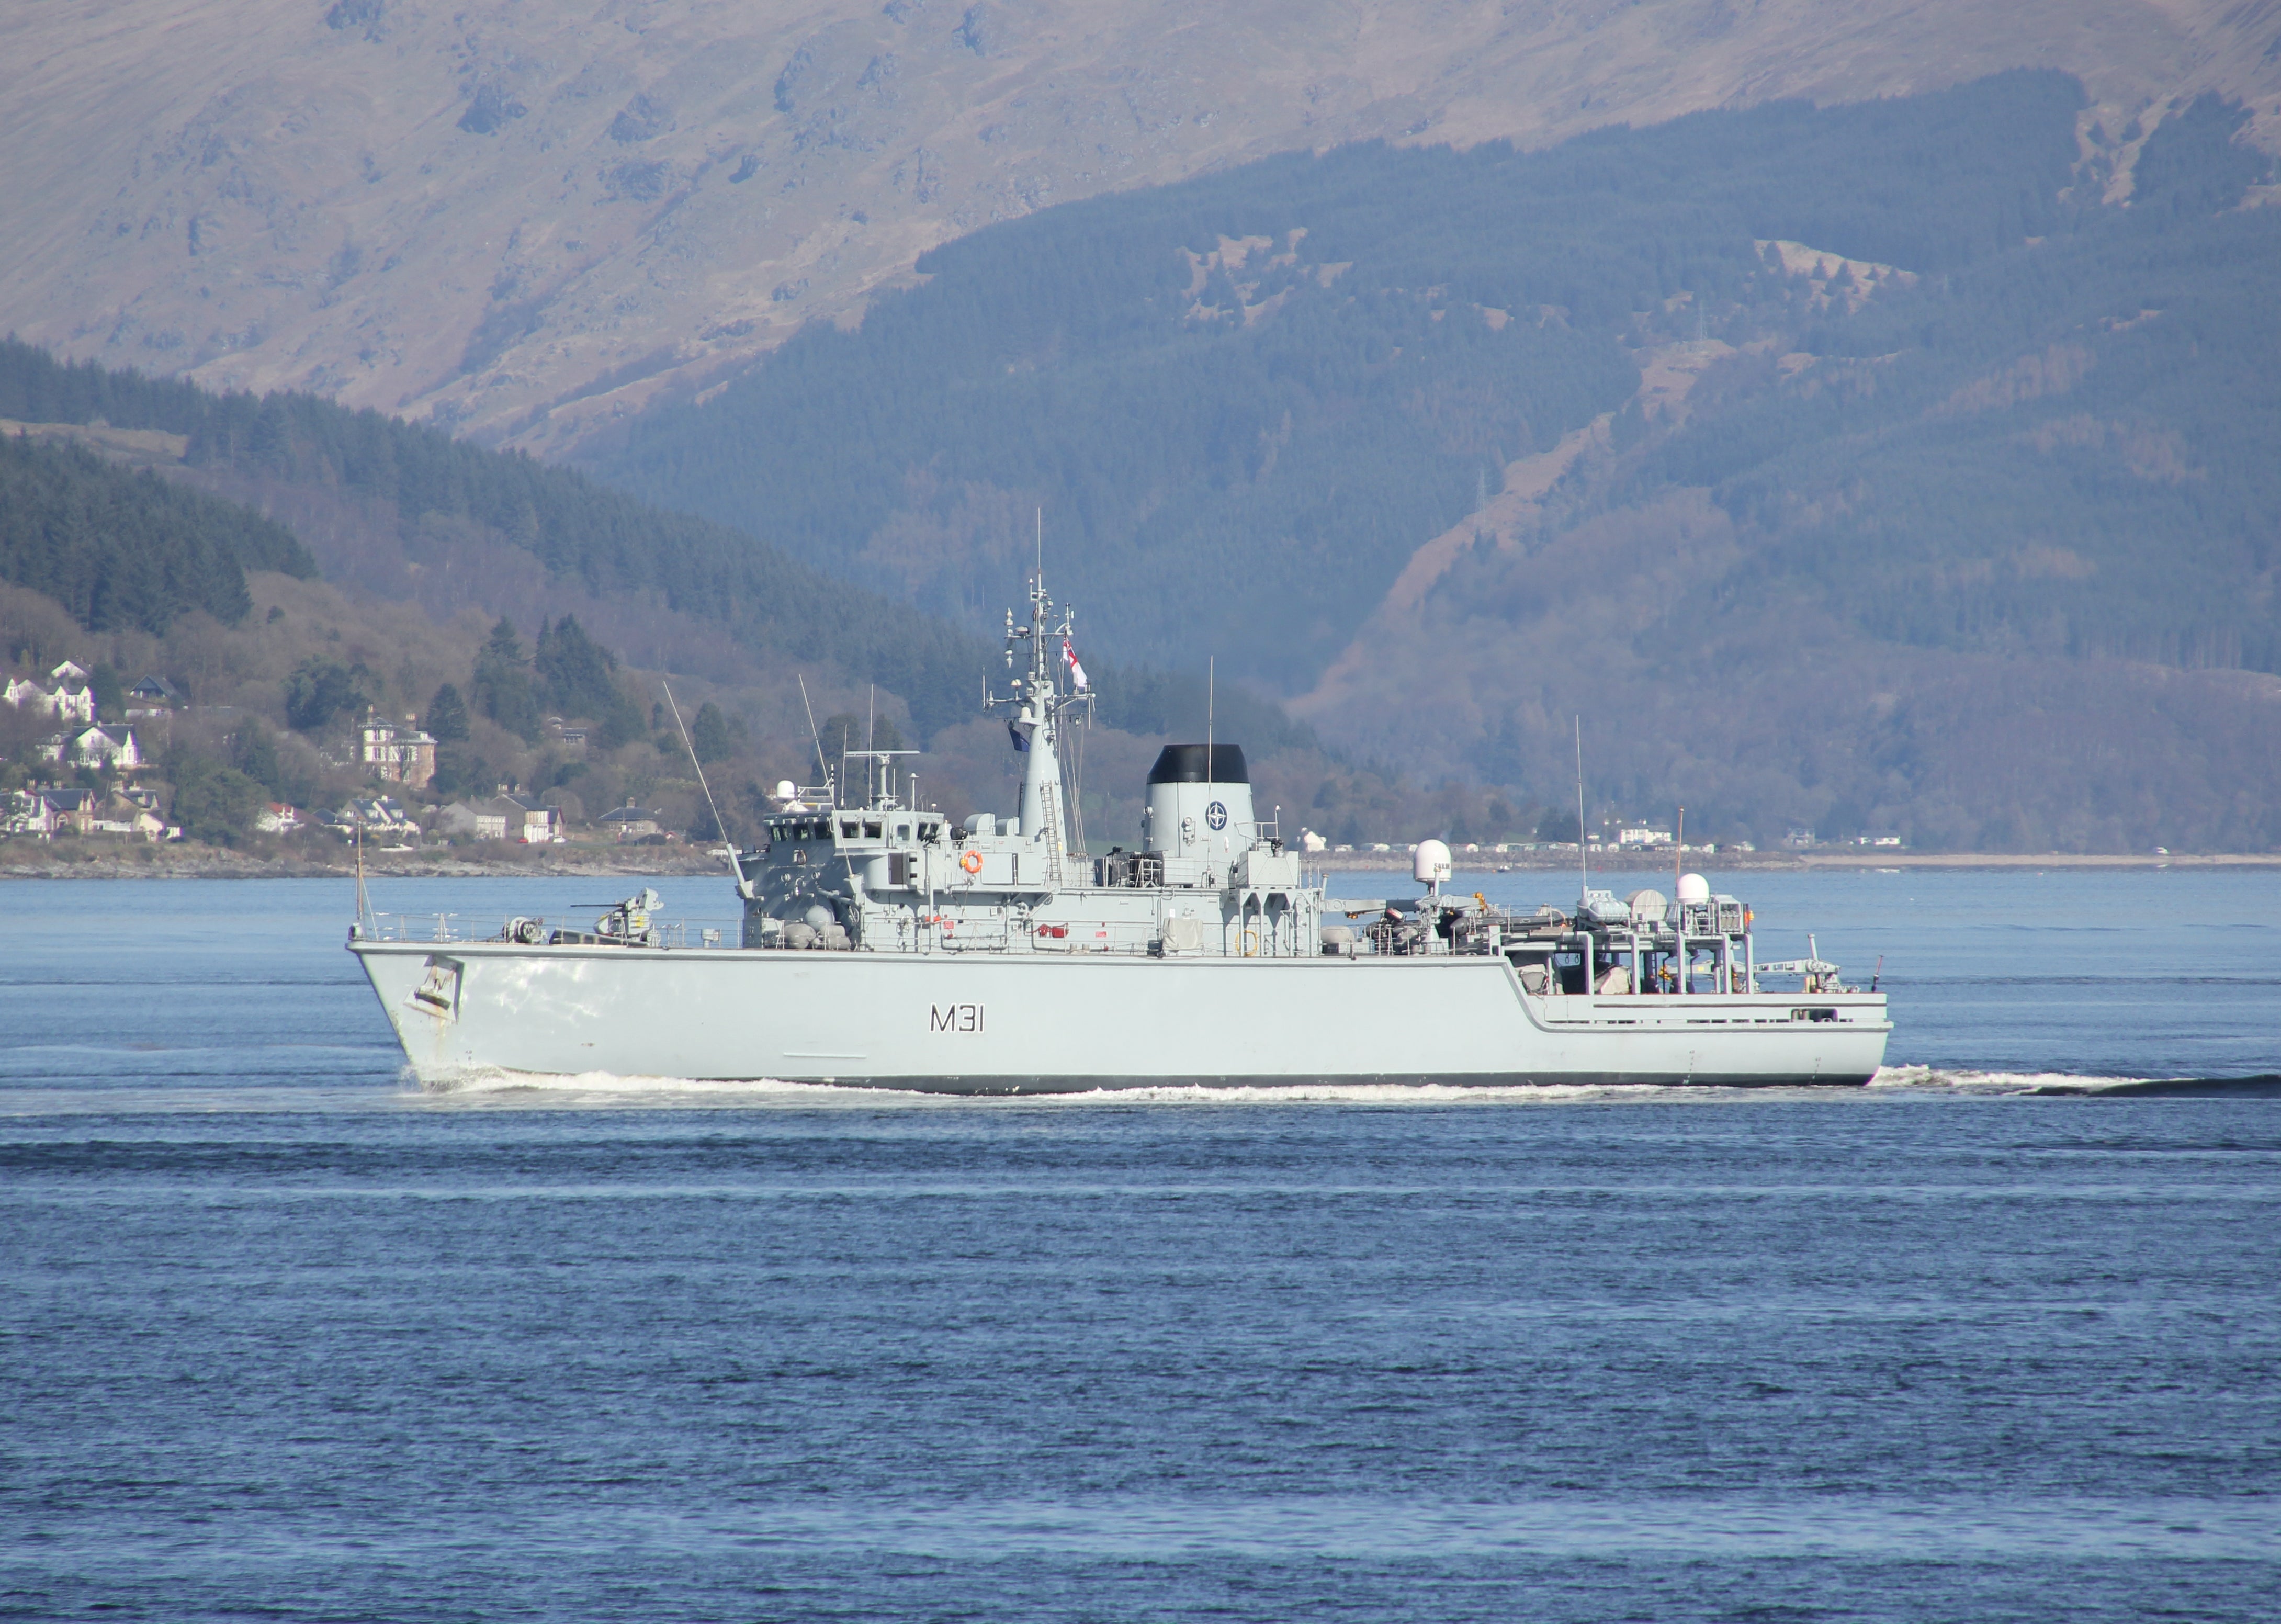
(446,927)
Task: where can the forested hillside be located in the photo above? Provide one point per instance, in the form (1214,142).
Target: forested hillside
(437,491)
(120,548)
(144,570)
(1245,400)
(580,532)
(1455,446)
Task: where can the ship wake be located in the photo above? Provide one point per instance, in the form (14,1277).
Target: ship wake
(607,1090)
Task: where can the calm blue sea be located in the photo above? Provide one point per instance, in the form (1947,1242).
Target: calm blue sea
(282,1337)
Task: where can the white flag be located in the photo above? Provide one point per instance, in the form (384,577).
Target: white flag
(1077,671)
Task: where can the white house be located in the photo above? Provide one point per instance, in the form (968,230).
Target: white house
(383,817)
(277,818)
(66,705)
(113,748)
(504,818)
(127,820)
(538,825)
(28,813)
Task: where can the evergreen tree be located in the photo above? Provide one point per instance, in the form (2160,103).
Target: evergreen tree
(446,721)
(622,723)
(577,674)
(708,735)
(110,693)
(322,690)
(503,686)
(284,774)
(460,771)
(254,753)
(123,548)
(842,733)
(214,803)
(504,642)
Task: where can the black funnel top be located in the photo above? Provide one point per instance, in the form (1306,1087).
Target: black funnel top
(1185,764)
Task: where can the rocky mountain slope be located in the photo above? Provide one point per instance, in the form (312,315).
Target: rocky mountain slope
(1864,467)
(523,219)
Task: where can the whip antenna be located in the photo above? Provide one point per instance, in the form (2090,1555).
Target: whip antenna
(364,904)
(1211,671)
(719,828)
(1583,866)
(821,765)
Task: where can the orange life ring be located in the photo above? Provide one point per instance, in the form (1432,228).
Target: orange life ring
(971,863)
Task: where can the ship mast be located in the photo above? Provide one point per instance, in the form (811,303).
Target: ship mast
(1036,701)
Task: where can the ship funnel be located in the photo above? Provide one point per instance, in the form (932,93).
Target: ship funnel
(1200,804)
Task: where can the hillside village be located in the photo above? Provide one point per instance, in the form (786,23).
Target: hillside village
(74,765)
(102,758)
(84,759)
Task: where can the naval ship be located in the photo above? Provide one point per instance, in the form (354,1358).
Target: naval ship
(884,946)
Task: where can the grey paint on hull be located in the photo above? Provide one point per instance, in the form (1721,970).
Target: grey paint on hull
(1002,1023)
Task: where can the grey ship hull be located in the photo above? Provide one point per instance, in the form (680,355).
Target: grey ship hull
(1037,1023)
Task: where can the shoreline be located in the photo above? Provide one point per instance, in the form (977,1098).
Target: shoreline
(220,862)
(1795,862)
(217,862)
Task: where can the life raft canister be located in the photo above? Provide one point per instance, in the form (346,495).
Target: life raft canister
(971,863)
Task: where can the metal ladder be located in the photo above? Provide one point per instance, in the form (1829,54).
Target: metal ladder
(1049,803)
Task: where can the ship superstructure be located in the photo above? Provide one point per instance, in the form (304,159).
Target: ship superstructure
(1209,878)
(883,944)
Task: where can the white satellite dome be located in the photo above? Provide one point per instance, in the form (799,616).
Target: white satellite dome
(786,790)
(1431,864)
(1694,888)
